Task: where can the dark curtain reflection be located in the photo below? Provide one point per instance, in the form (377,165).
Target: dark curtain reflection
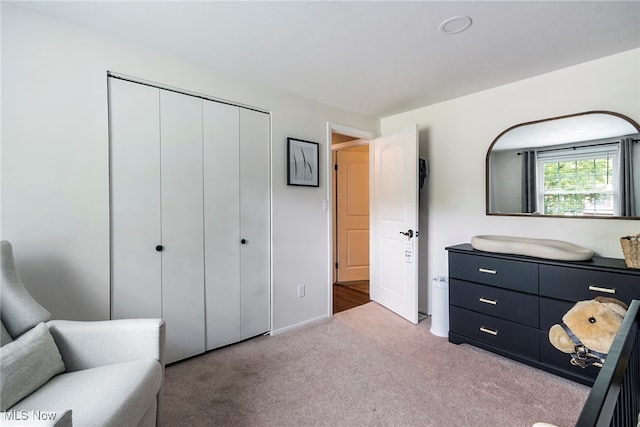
(529,193)
(627,192)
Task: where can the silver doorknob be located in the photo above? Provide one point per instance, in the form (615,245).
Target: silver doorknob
(408,233)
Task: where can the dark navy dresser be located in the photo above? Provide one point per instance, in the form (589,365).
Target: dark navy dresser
(507,303)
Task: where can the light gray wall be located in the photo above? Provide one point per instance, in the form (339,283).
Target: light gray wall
(457,133)
(55,182)
(55,162)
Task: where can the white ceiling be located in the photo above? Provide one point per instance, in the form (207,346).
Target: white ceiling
(375,58)
(580,128)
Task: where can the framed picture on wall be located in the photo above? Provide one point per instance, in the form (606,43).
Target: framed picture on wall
(302,163)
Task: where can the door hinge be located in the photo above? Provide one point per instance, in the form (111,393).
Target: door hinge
(336,265)
(335,167)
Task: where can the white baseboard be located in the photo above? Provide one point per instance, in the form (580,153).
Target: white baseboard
(298,325)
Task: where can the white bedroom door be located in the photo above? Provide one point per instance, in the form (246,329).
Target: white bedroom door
(394,223)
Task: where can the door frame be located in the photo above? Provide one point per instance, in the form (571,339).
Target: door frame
(356,134)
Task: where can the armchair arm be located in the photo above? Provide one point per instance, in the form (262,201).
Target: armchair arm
(86,345)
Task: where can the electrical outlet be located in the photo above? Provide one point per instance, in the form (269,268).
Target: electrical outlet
(301,291)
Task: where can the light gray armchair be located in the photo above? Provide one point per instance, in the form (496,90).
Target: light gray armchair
(105,373)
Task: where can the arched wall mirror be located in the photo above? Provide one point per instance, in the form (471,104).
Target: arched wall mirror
(581,165)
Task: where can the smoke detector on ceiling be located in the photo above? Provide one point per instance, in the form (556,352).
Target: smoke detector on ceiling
(455,25)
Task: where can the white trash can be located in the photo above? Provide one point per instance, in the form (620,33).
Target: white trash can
(440,306)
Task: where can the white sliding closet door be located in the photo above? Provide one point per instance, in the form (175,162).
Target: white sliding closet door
(190,216)
(182,224)
(135,200)
(255,224)
(221,127)
(237,223)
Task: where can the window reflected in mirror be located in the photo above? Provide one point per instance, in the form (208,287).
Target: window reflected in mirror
(581,165)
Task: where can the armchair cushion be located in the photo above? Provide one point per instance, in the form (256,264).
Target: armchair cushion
(27,363)
(122,394)
(18,310)
(85,345)
(5,337)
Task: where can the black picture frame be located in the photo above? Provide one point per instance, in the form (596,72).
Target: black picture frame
(303,163)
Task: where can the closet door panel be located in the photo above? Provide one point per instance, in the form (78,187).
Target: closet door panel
(221,222)
(135,200)
(182,223)
(255,222)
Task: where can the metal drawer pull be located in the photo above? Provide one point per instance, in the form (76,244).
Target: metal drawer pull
(488,301)
(599,289)
(488,331)
(487,270)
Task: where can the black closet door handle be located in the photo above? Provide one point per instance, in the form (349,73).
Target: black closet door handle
(159,248)
(243,241)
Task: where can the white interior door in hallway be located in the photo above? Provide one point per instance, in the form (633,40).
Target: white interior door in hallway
(352,219)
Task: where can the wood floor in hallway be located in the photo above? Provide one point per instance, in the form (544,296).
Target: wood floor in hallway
(349,295)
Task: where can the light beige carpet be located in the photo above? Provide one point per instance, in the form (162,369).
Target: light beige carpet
(364,367)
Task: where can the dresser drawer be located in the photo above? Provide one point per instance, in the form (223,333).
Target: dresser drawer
(551,312)
(496,332)
(506,304)
(504,273)
(576,284)
(549,355)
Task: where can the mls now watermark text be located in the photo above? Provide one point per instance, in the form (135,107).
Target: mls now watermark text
(33,415)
